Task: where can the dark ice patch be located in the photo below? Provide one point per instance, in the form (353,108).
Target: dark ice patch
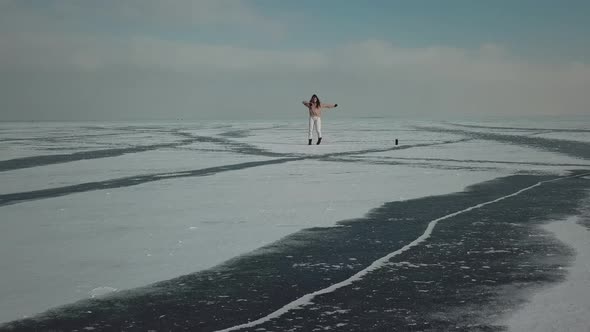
(475,266)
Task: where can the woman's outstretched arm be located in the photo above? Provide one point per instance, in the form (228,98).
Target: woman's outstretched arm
(329,105)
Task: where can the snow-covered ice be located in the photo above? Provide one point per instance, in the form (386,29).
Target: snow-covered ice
(565,306)
(181,198)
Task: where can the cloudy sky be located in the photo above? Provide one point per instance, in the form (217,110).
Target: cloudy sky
(258,59)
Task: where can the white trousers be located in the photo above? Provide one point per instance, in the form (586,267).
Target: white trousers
(315,121)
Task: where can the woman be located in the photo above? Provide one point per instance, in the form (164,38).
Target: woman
(315,111)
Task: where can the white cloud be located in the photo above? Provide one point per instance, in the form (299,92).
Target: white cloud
(371,57)
(77,52)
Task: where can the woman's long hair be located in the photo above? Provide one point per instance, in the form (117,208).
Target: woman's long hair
(317,104)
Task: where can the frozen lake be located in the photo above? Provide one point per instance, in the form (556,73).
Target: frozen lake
(212,225)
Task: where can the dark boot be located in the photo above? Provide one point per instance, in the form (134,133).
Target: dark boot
(319,140)
(309,142)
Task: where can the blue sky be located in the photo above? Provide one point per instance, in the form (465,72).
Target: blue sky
(539,29)
(512,57)
(532,28)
